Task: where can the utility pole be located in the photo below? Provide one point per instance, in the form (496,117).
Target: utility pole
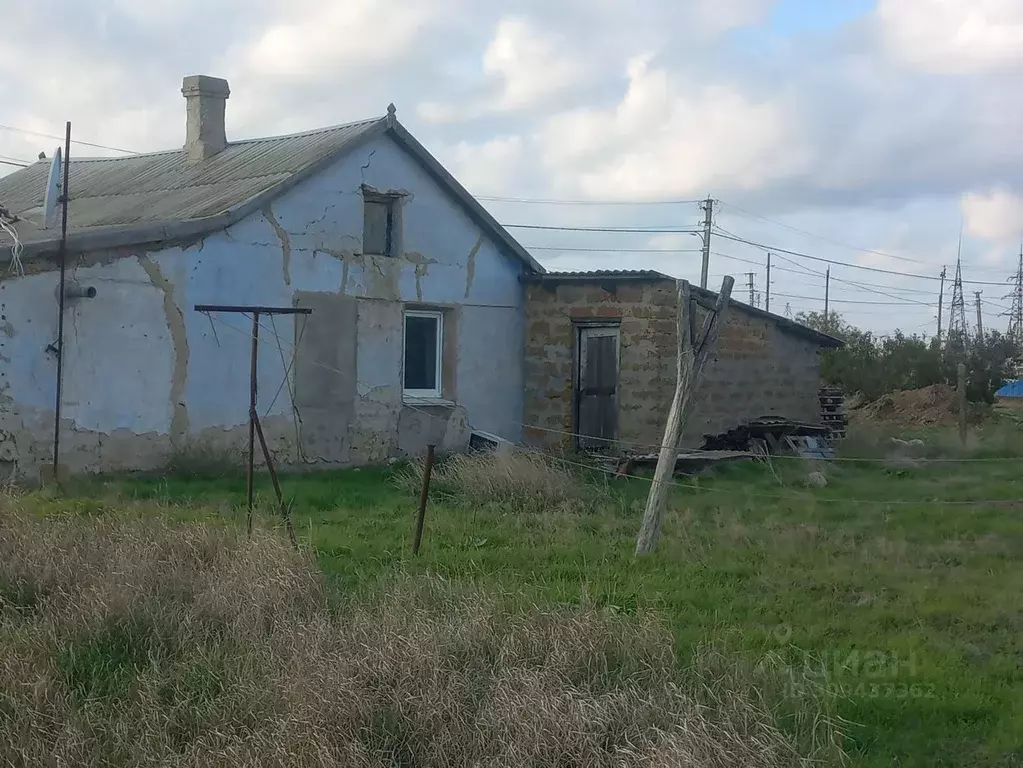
(752,287)
(827,291)
(767,292)
(708,219)
(980,322)
(941,301)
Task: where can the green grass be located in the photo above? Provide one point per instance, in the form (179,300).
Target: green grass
(911,609)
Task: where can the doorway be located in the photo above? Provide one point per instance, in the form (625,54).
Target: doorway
(596,387)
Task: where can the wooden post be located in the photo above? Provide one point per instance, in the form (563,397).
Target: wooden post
(691,357)
(961,392)
(424,495)
(285,509)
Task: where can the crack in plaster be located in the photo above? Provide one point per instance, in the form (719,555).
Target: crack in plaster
(344,257)
(362,171)
(282,234)
(179,341)
(421,264)
(470,265)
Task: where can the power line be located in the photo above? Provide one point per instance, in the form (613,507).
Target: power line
(871,287)
(820,237)
(17,164)
(550,201)
(852,301)
(775,249)
(612,250)
(832,241)
(61,138)
(634,230)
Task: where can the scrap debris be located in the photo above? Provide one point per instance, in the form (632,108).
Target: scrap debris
(756,439)
(777,436)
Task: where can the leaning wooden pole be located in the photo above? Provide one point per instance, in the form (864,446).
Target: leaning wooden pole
(690,359)
(424,497)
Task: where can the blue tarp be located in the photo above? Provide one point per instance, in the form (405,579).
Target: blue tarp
(1011,389)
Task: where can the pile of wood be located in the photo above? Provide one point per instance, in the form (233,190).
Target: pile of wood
(768,434)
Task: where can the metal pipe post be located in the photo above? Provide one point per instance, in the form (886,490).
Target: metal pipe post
(62,257)
(252,418)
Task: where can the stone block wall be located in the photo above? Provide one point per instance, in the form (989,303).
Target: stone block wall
(759,369)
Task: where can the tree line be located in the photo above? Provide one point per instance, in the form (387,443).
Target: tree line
(875,365)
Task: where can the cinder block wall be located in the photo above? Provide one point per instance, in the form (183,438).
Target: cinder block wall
(758,370)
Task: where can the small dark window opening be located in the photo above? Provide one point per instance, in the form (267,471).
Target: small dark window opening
(378,225)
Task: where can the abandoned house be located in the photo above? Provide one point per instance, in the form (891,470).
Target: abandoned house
(427,318)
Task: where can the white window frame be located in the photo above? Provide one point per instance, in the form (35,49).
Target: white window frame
(435,393)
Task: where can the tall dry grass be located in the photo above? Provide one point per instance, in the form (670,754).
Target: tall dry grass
(133,642)
(517,478)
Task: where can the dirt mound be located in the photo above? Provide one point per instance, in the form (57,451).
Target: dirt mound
(935,404)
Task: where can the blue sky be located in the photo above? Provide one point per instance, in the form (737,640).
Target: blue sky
(789,17)
(864,133)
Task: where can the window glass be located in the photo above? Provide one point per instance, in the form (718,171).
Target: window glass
(422,337)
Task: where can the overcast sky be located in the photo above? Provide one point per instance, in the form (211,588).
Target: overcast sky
(866,132)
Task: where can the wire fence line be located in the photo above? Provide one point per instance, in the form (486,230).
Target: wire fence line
(779,497)
(282,345)
(868,459)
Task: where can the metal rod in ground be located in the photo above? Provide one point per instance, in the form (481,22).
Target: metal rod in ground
(252,423)
(961,392)
(423,497)
(285,510)
(62,258)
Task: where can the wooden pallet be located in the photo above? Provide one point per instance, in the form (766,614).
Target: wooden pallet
(832,404)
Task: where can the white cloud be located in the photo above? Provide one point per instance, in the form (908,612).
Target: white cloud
(316,40)
(954,36)
(491,167)
(996,214)
(670,137)
(530,63)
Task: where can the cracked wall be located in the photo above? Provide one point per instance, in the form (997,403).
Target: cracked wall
(146,375)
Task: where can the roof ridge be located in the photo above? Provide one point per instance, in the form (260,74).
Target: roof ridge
(252,140)
(311,132)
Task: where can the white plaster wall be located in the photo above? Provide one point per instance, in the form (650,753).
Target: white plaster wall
(310,240)
(140,359)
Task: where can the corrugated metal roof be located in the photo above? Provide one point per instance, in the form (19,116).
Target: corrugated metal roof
(1012,388)
(636,274)
(164,187)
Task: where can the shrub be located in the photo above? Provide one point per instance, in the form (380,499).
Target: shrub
(523,480)
(205,460)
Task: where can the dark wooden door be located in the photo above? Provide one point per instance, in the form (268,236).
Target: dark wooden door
(597,388)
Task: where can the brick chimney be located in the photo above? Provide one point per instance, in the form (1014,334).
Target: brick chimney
(205,99)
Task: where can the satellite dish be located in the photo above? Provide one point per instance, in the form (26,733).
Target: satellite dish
(52,192)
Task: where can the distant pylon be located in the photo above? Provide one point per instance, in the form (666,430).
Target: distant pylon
(958,332)
(1015,314)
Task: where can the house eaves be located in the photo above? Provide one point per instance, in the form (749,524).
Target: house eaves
(262,165)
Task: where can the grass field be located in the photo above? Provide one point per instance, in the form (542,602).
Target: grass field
(899,620)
